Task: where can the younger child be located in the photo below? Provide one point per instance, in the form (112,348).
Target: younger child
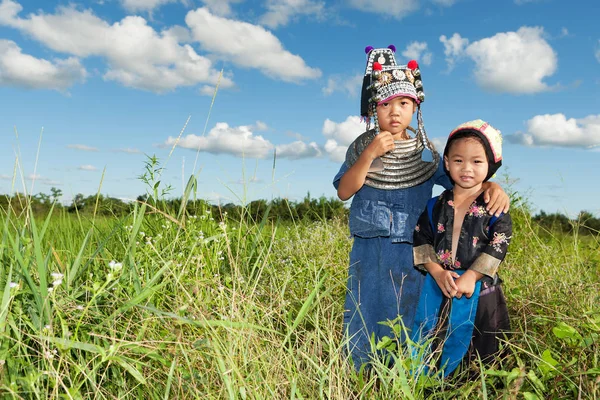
(387,201)
(460,247)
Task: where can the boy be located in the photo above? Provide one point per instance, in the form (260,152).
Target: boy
(460,247)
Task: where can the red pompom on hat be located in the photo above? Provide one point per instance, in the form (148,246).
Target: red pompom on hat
(412,64)
(377,66)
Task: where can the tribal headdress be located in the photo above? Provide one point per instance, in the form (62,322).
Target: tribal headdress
(491,138)
(413,161)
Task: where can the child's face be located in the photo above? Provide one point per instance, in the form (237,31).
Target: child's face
(467,163)
(395,115)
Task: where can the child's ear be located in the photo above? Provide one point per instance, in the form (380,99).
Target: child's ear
(446,163)
(414,106)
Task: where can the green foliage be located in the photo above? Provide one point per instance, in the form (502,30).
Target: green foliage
(195,301)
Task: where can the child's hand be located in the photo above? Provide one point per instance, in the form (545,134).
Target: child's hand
(381,144)
(496,199)
(445,280)
(466,284)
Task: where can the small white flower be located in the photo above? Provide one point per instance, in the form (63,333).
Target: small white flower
(50,289)
(79,307)
(13,285)
(56,275)
(57,282)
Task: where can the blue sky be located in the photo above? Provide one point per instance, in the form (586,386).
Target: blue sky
(98,85)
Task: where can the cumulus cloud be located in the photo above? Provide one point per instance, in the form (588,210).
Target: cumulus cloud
(418,51)
(340,135)
(454,47)
(348,85)
(137,55)
(242,141)
(394,8)
(557,130)
(24,70)
(82,147)
(87,167)
(238,141)
(220,7)
(280,12)
(247,45)
(298,149)
(512,62)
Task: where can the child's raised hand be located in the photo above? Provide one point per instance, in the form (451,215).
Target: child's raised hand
(445,280)
(381,144)
(466,284)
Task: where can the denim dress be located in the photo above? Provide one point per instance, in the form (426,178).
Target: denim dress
(382,280)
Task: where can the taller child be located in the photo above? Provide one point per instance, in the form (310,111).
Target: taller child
(391,175)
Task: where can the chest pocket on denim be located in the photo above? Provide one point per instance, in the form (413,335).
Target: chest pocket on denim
(370,218)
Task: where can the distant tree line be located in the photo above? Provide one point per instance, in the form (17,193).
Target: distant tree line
(309,208)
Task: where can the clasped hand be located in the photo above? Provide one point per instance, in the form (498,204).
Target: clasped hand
(454,285)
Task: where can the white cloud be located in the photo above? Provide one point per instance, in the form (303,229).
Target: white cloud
(220,7)
(18,69)
(340,135)
(418,51)
(82,147)
(281,11)
(137,55)
(238,141)
(143,5)
(393,8)
(260,126)
(348,85)
(298,149)
(557,130)
(247,45)
(512,62)
(87,167)
(454,47)
(43,180)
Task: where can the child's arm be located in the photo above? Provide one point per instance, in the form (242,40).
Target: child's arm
(444,278)
(495,198)
(354,178)
(487,263)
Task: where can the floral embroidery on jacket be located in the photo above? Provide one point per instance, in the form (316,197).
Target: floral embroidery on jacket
(417,228)
(477,211)
(445,258)
(440,227)
(475,240)
(498,240)
(451,203)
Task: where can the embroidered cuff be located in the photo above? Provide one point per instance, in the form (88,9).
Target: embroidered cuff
(486,264)
(424,254)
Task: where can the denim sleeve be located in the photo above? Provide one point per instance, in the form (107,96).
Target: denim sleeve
(338,176)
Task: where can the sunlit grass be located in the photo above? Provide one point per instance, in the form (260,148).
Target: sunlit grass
(168,305)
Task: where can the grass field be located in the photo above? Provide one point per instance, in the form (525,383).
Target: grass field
(157,306)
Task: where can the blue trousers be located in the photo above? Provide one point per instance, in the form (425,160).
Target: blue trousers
(382,285)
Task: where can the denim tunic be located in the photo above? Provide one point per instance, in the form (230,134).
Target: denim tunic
(382,281)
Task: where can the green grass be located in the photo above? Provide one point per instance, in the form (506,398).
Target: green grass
(194,308)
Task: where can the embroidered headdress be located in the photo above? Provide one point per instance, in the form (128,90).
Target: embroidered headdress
(491,138)
(413,161)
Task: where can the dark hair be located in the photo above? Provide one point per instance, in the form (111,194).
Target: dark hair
(473,134)
(466,134)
